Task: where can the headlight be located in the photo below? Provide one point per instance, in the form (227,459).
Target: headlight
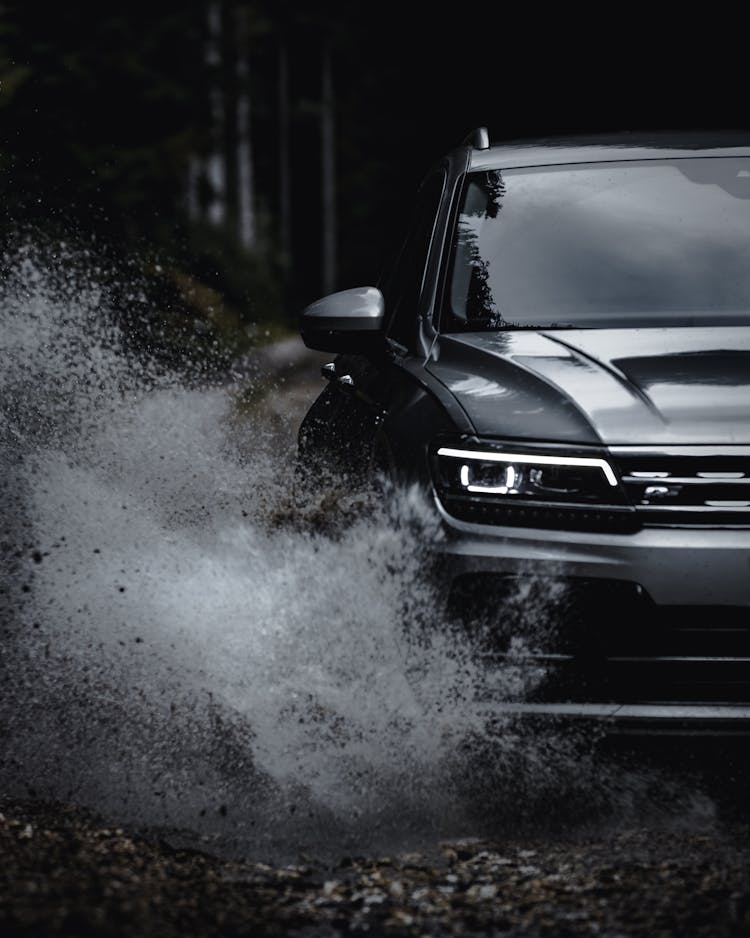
(504,484)
(528,475)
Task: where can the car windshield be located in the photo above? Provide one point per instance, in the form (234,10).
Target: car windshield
(642,243)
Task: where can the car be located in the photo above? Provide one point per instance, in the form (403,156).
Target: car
(559,357)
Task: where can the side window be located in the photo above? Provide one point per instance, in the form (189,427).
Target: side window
(403,286)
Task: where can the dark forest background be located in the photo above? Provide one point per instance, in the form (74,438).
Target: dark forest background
(267,152)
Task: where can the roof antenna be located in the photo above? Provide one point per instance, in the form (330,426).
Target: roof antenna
(479,138)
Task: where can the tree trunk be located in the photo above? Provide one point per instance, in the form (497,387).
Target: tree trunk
(195,173)
(230,143)
(215,168)
(246,223)
(328,167)
(285,200)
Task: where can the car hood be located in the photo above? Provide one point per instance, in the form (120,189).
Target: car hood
(612,386)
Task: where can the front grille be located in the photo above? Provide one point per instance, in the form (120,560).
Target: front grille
(527,514)
(567,628)
(697,486)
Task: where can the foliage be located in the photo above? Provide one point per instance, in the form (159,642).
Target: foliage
(104,113)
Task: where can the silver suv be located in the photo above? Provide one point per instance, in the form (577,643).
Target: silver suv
(560,356)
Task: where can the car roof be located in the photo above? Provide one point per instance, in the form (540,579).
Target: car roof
(600,148)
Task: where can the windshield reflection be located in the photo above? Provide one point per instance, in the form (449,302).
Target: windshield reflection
(642,243)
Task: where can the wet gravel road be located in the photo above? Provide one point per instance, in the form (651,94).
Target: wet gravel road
(63,872)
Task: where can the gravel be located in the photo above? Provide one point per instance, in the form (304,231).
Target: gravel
(64,871)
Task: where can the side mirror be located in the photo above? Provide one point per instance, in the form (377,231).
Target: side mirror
(349,321)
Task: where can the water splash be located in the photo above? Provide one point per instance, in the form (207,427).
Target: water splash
(186,648)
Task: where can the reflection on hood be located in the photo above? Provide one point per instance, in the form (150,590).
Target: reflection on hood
(613,386)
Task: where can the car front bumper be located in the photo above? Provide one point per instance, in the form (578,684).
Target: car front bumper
(676,566)
(676,719)
(649,636)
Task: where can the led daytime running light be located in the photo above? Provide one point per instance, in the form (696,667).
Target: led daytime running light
(510,481)
(581,461)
